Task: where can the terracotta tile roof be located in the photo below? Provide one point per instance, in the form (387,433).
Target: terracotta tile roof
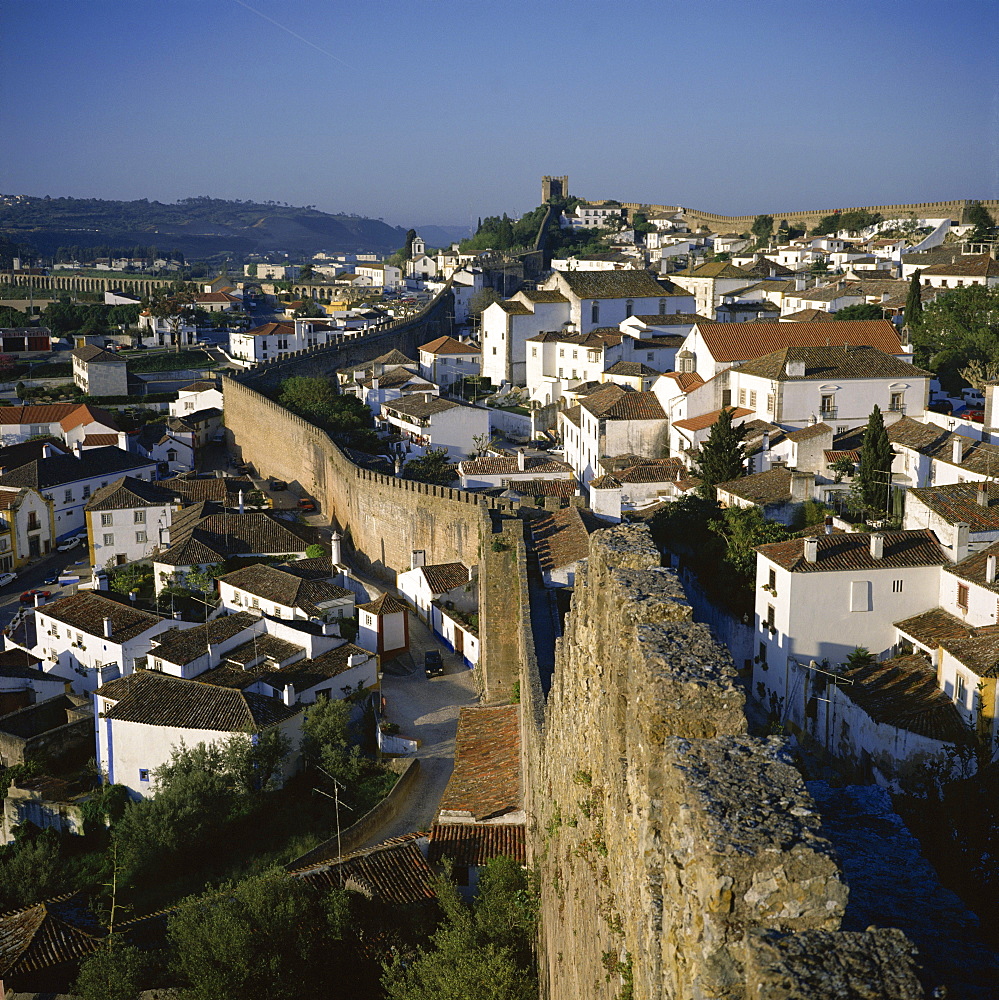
(91,354)
(686,381)
(631,368)
(87,414)
(810,316)
(394,872)
(396,378)
(261,648)
(508,465)
(714,269)
(978,652)
(903,693)
(213,538)
(730,342)
(420,405)
(616,402)
(853,454)
(852,551)
(181,646)
(100,440)
(486,777)
(384,605)
(285,587)
(51,413)
(445,576)
(631,469)
(306,674)
(573,414)
(612,284)
(562,537)
(473,844)
(938,444)
(49,933)
(771,486)
(393,357)
(831,363)
(710,419)
(959,502)
(129,492)
(544,487)
(85,612)
(201,385)
(971,266)
(542,295)
(930,628)
(448,345)
(807,433)
(45,473)
(269,329)
(514,308)
(974,566)
(155,699)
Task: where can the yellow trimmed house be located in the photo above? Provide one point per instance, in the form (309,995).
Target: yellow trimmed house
(27,526)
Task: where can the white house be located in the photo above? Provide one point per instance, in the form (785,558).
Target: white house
(27,526)
(422,585)
(928,455)
(383,626)
(385,276)
(561,539)
(201,395)
(509,324)
(432,422)
(128,520)
(509,470)
(445,360)
(972,269)
(88,637)
(942,508)
(798,386)
(284,592)
(72,422)
(709,281)
(70,480)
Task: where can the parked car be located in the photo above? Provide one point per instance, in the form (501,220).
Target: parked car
(6,578)
(278,484)
(28,597)
(70,543)
(306,504)
(941,406)
(977,416)
(433,663)
(51,581)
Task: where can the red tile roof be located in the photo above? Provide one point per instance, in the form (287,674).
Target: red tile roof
(486,777)
(709,419)
(448,345)
(473,844)
(384,605)
(853,552)
(729,342)
(445,576)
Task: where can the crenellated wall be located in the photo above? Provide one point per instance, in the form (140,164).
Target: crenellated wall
(679,858)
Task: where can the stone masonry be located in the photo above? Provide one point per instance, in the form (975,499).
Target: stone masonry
(679,857)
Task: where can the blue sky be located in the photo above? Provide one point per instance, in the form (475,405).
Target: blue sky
(433,111)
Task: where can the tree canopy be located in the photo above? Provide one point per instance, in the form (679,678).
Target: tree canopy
(875,464)
(913,303)
(763,227)
(433,467)
(861,310)
(721,457)
(958,327)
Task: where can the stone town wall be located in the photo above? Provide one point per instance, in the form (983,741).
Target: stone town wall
(679,857)
(383,518)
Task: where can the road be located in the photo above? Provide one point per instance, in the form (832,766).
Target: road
(425,710)
(33,577)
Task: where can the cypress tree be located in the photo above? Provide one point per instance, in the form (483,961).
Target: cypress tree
(913,304)
(875,464)
(721,457)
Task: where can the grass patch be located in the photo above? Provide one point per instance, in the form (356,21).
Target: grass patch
(143,362)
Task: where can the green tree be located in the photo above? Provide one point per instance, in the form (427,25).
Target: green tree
(410,237)
(913,303)
(481,300)
(326,740)
(12,317)
(743,529)
(308,309)
(762,228)
(957,327)
(979,217)
(116,971)
(315,552)
(861,311)
(875,464)
(721,458)
(31,869)
(433,467)
(484,952)
(176,307)
(266,936)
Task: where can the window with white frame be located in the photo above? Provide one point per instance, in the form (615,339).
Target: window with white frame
(109,539)
(106,520)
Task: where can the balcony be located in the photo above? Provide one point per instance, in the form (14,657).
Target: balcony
(828,412)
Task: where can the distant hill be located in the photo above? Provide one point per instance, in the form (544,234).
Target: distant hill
(443,236)
(198,227)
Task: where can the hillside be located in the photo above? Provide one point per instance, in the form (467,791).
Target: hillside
(198,227)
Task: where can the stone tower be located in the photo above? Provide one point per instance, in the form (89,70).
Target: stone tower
(554,187)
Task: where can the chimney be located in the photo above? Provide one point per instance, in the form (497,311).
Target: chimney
(374,385)
(811,549)
(289,695)
(983,495)
(960,540)
(990,569)
(957,449)
(829,524)
(335,540)
(765,445)
(331,628)
(398,465)
(356,659)
(78,449)
(417,558)
(107,628)
(377,369)
(47,450)
(877,545)
(801,483)
(521,460)
(241,501)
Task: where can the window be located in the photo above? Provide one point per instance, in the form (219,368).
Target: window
(105,520)
(139,517)
(772,581)
(575,355)
(534,352)
(255,602)
(828,403)
(770,404)
(752,400)
(143,774)
(86,492)
(960,689)
(595,313)
(962,596)
(561,373)
(629,308)
(896,586)
(494,350)
(770,618)
(561,352)
(897,401)
(140,536)
(109,539)
(67,496)
(742,397)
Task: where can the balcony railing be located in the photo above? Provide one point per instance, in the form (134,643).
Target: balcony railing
(828,412)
